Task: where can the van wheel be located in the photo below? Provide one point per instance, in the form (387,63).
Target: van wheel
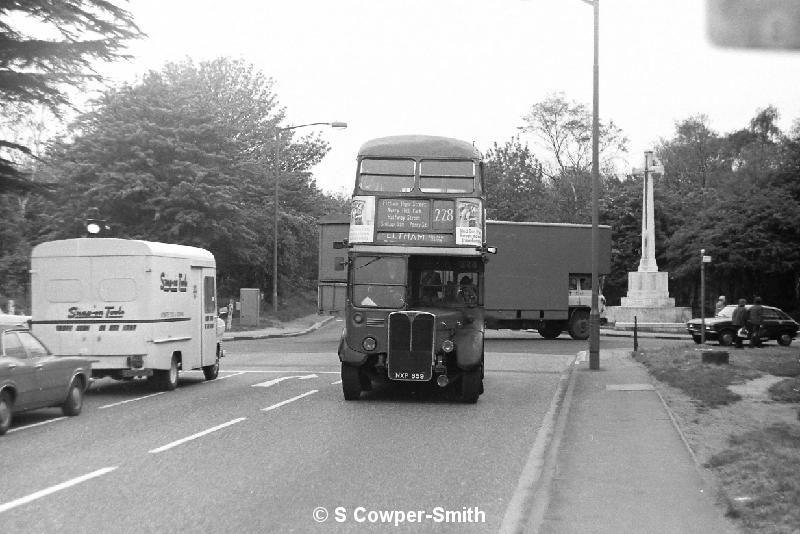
(211,371)
(6,407)
(74,401)
(351,382)
(167,380)
(471,386)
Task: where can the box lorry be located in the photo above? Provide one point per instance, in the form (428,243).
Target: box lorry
(137,308)
(540,277)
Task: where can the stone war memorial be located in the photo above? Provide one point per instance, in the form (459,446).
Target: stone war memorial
(648,299)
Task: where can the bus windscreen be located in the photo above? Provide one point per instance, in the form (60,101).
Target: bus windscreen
(387,175)
(447,176)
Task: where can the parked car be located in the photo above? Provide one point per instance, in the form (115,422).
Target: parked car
(777,325)
(31,377)
(8,320)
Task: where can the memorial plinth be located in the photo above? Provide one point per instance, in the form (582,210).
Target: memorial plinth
(648,297)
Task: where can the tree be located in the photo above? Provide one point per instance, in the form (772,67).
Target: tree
(621,208)
(565,131)
(186,156)
(37,69)
(515,190)
(693,157)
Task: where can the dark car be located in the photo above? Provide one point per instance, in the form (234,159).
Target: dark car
(777,325)
(31,377)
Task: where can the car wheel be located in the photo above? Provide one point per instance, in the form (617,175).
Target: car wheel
(784,340)
(6,407)
(74,402)
(697,339)
(726,338)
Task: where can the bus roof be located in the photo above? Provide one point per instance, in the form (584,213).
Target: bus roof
(424,146)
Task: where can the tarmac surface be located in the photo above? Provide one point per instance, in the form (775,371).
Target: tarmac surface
(613,459)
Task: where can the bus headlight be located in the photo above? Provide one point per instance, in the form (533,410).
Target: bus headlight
(358,318)
(369,343)
(448,345)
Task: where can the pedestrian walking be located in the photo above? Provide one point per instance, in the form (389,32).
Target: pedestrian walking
(755,317)
(738,320)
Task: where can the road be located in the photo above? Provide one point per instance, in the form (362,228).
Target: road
(271,446)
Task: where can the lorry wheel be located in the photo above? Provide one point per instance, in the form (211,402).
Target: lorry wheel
(471,386)
(74,401)
(579,325)
(351,382)
(6,406)
(550,330)
(211,371)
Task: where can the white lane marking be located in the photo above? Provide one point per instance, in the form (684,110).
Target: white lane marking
(52,489)
(287,401)
(222,378)
(274,381)
(126,401)
(337,382)
(236,373)
(195,436)
(40,423)
(285,371)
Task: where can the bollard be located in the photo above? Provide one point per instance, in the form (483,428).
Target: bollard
(635,335)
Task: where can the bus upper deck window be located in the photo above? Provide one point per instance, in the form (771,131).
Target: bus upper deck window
(447,176)
(391,175)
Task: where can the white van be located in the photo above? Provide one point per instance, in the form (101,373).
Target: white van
(138,308)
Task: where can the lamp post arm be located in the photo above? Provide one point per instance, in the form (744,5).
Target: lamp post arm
(278,130)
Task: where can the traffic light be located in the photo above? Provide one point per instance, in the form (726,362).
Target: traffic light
(766,24)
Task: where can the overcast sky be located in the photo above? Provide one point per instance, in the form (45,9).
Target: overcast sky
(471,69)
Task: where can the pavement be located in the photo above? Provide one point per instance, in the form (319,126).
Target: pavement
(299,327)
(618,462)
(614,461)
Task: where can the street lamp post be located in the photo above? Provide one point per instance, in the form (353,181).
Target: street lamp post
(594,314)
(278,130)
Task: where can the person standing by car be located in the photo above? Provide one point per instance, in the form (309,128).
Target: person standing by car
(721,303)
(738,321)
(755,318)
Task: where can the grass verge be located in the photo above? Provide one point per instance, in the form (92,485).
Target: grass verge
(759,469)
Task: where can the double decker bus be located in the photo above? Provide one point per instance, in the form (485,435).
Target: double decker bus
(415,266)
